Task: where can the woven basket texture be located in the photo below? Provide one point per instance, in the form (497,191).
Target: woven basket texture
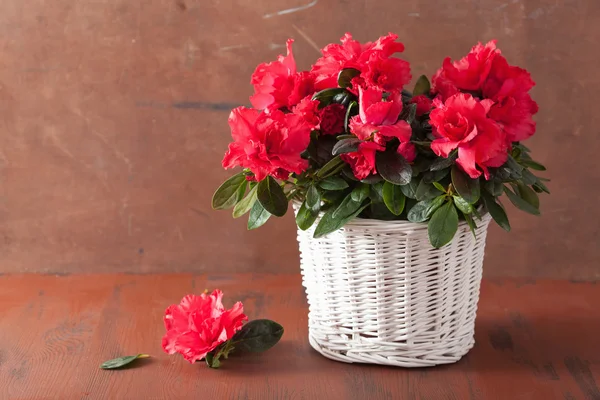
(379,293)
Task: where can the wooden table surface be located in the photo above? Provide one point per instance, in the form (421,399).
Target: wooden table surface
(534,340)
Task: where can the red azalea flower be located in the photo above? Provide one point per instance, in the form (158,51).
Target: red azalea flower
(277,84)
(461,122)
(371,59)
(469,73)
(507,86)
(363,160)
(332,119)
(515,116)
(199,324)
(329,120)
(408,151)
(385,73)
(423,104)
(308,110)
(379,116)
(267,143)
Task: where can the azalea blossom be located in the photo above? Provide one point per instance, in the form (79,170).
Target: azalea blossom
(199,324)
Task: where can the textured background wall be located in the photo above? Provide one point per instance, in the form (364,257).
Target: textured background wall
(114,121)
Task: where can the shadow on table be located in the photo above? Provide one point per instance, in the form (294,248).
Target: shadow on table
(540,343)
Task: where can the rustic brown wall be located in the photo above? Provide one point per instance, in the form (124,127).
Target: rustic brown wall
(114,121)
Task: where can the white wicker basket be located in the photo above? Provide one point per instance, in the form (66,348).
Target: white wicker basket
(379,293)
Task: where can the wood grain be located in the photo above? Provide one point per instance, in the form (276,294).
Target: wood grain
(535,340)
(113,123)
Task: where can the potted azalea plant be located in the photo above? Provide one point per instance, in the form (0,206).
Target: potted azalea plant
(393,188)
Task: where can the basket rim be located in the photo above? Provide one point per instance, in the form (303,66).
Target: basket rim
(402,224)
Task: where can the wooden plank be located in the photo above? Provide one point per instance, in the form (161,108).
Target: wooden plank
(535,340)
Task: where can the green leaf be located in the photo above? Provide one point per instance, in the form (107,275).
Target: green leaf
(313,199)
(227,194)
(347,117)
(243,206)
(340,137)
(443,163)
(528,178)
(346,207)
(332,167)
(343,98)
(422,86)
(410,189)
(421,211)
(520,203)
(439,187)
(541,187)
(496,211)
(121,361)
(435,176)
(212,361)
(514,168)
(494,187)
(465,186)
(376,192)
(326,96)
(393,198)
(258,216)
(271,197)
(533,165)
(426,191)
(345,77)
(443,225)
(462,205)
(241,191)
(333,183)
(471,223)
(329,223)
(346,146)
(378,209)
(305,218)
(372,179)
(257,336)
(393,167)
(409,113)
(360,193)
(527,194)
(223,350)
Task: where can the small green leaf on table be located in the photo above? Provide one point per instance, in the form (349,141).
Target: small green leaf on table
(257,336)
(119,362)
